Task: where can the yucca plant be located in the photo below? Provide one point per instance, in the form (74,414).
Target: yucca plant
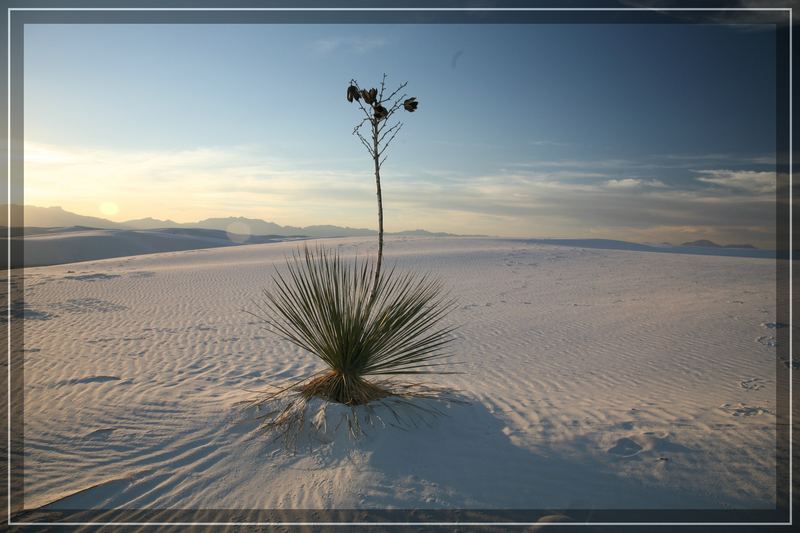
(366,325)
(359,329)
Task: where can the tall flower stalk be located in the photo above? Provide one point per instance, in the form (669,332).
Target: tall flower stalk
(367,326)
(377,113)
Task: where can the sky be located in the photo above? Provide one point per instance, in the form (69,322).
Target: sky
(645,133)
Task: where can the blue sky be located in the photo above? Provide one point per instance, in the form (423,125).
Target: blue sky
(639,132)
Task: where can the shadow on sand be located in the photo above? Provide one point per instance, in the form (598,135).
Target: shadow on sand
(456,467)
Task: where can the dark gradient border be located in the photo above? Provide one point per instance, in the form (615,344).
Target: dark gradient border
(636,518)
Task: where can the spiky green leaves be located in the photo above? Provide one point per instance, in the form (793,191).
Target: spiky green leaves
(323,305)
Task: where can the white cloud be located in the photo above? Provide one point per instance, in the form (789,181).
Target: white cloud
(548,143)
(625,183)
(757,182)
(189,185)
(324,46)
(365,45)
(762,159)
(358,45)
(630,183)
(652,161)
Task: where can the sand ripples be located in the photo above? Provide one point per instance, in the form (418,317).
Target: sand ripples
(638,366)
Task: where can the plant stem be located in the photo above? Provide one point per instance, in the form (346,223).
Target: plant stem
(376,156)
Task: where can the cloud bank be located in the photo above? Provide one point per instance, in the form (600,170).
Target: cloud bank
(609,199)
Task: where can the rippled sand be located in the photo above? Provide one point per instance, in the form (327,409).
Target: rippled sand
(594,379)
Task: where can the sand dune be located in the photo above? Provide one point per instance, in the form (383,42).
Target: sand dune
(53,246)
(610,244)
(591,379)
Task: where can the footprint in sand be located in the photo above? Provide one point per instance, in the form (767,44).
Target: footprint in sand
(752,384)
(768,341)
(92,379)
(625,447)
(662,442)
(101,340)
(26,313)
(92,277)
(32,314)
(142,274)
(88,305)
(745,410)
(99,434)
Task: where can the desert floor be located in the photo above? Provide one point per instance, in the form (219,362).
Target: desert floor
(592,379)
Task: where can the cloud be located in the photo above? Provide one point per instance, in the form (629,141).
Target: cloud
(188,185)
(758,159)
(324,46)
(628,183)
(578,163)
(548,143)
(654,161)
(567,201)
(538,203)
(756,182)
(357,45)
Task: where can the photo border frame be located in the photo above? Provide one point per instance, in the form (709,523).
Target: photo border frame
(19,15)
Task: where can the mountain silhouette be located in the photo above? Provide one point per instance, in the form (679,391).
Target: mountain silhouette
(52,217)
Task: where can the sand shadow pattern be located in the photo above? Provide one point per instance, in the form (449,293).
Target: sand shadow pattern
(21,311)
(88,305)
(92,277)
(479,478)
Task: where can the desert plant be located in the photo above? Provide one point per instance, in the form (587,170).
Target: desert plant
(382,133)
(367,325)
(333,310)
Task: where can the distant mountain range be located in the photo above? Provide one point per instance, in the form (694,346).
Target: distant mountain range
(710,244)
(664,247)
(53,217)
(57,217)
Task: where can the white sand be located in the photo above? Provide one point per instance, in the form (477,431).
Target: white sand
(596,379)
(69,245)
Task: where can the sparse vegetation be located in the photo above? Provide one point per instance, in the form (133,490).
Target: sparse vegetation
(326,307)
(366,324)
